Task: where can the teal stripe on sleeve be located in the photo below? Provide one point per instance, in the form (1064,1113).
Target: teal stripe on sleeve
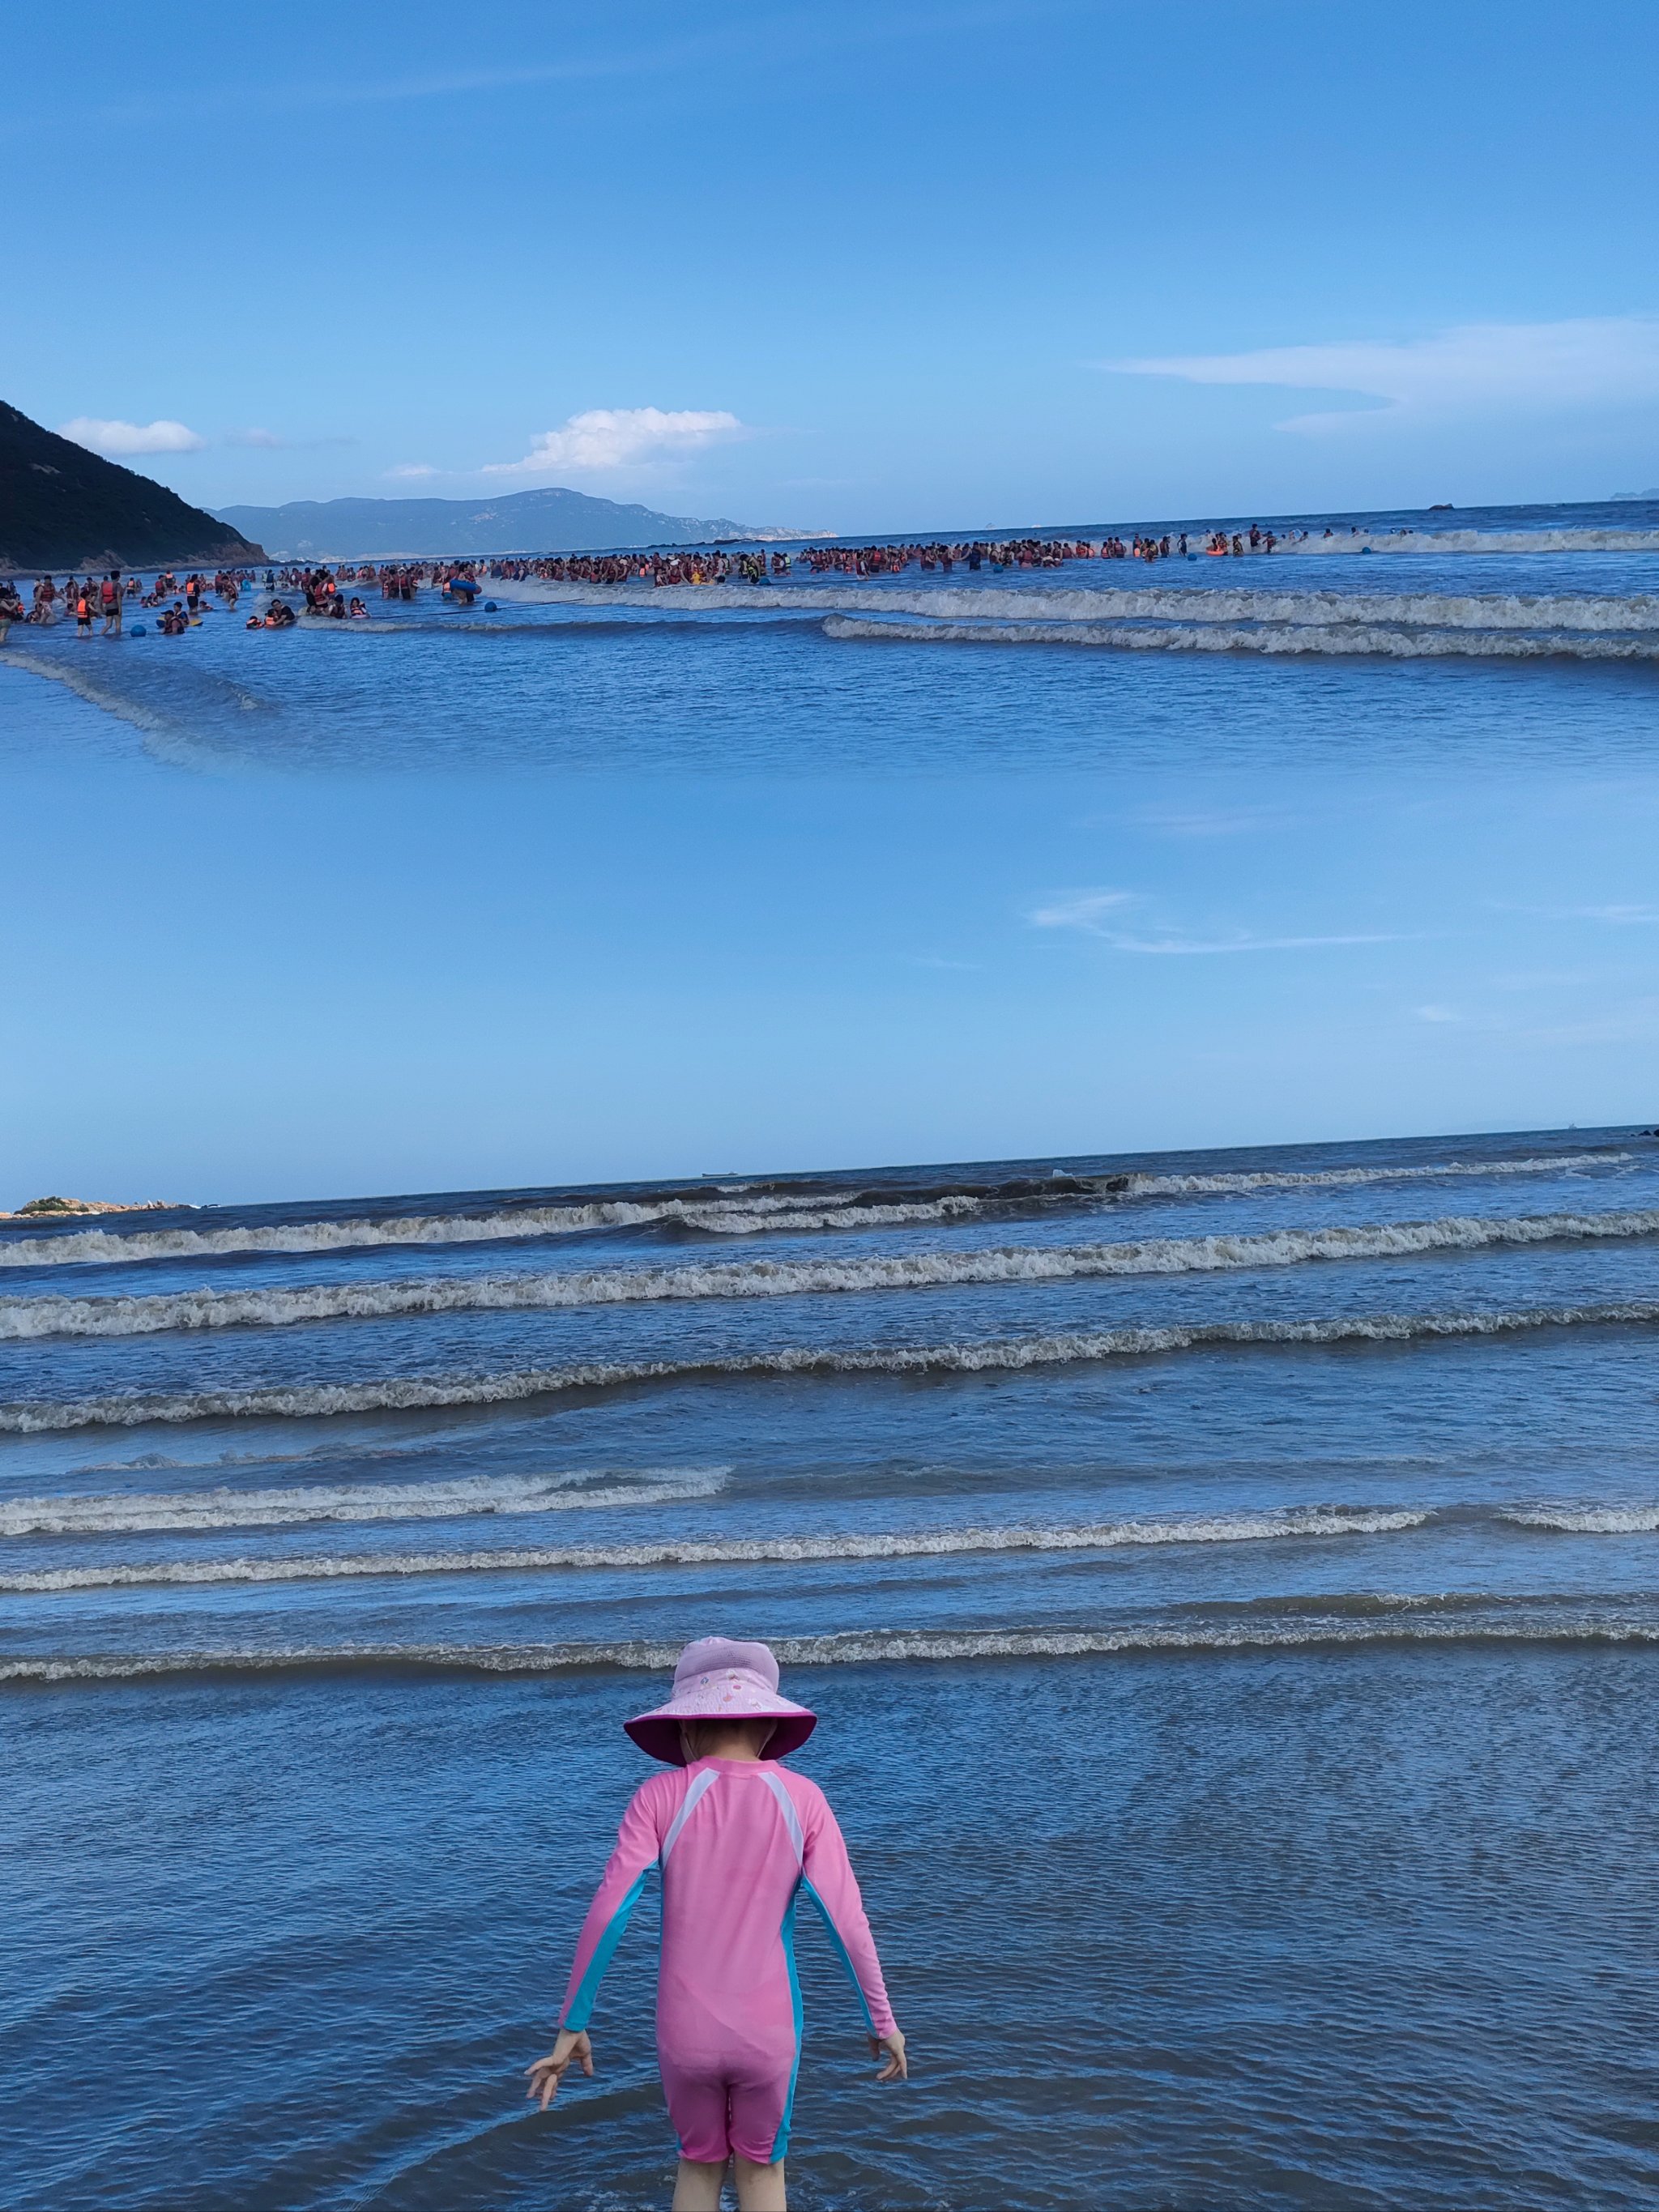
(581,2005)
(841,1952)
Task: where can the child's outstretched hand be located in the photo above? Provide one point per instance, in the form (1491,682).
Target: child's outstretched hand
(895,2070)
(546,2073)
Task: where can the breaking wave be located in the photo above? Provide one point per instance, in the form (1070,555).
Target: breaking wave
(1378,1620)
(740,1210)
(1586,540)
(761,1278)
(1197,603)
(1224,1183)
(302,1401)
(102,1246)
(118,1513)
(1389,640)
(150,720)
(1586,1519)
(1199,617)
(166,735)
(760,1551)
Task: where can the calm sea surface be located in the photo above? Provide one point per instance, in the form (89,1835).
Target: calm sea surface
(1229,1579)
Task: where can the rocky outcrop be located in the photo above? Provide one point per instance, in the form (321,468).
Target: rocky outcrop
(62,507)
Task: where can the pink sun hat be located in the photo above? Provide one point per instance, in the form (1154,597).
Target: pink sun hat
(716,1679)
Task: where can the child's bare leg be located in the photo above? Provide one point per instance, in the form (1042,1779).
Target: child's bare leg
(697,2187)
(760,2188)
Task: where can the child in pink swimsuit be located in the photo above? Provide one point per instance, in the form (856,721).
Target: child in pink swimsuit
(739,1841)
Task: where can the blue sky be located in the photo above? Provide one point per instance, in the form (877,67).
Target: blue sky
(886,265)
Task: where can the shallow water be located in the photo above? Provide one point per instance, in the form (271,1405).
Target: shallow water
(1228,1576)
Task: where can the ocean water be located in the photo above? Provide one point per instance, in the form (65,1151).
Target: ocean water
(1227,1574)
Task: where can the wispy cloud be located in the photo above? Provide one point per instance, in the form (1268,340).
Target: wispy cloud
(1243,942)
(791,37)
(1213,822)
(272,441)
(1086,912)
(121,440)
(1517,368)
(1621,917)
(407,469)
(620,438)
(1617,914)
(1079,910)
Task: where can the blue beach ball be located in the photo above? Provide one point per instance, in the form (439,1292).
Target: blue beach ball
(489,606)
(138,629)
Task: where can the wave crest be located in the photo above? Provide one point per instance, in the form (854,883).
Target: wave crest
(1308,1524)
(1373,639)
(763,1278)
(737,1211)
(302,1401)
(122,1513)
(1448,1620)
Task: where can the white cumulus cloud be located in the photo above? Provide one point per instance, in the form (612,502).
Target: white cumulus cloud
(1519,369)
(620,438)
(122,439)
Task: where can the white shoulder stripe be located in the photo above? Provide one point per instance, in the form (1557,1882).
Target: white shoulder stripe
(701,1784)
(775,1784)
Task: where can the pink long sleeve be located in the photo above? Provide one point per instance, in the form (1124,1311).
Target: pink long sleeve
(828,1878)
(639,1845)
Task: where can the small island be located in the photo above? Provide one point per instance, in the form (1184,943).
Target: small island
(54,1209)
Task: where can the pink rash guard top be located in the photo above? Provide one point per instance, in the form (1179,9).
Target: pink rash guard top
(737,1841)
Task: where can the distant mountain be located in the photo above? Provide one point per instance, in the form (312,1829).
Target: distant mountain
(550,521)
(63,507)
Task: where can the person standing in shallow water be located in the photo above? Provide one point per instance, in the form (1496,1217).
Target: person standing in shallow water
(739,1840)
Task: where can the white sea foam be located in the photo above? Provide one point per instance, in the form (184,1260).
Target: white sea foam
(1586,1520)
(301,1401)
(1202,600)
(745,1216)
(148,719)
(1420,541)
(1241,1180)
(1411,1620)
(761,1278)
(1375,640)
(1199,604)
(1226,617)
(1313,1522)
(728,1211)
(120,1513)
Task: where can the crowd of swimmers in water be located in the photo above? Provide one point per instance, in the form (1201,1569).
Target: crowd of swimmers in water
(180,603)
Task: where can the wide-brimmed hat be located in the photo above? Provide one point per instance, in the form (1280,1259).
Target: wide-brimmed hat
(716,1680)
